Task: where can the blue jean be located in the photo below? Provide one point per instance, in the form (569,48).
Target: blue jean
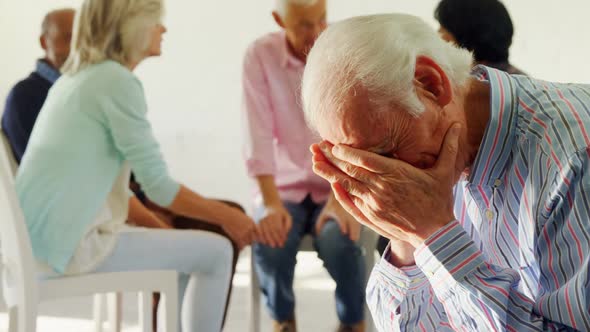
(275,267)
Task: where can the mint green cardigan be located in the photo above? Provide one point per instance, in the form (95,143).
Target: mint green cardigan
(91,123)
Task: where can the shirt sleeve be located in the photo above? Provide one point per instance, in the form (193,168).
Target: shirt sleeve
(126,113)
(258,119)
(452,281)
(479,296)
(401,299)
(20,113)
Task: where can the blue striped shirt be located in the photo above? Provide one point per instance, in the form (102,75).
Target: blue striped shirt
(517,256)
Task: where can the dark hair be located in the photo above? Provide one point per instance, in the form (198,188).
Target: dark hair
(481,26)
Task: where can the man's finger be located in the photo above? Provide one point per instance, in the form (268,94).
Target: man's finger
(344,198)
(368,160)
(317,153)
(448,154)
(286,224)
(276,231)
(265,237)
(320,223)
(354,230)
(334,175)
(343,226)
(269,233)
(347,168)
(350,204)
(384,229)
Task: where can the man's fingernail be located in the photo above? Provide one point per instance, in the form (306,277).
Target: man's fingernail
(456,129)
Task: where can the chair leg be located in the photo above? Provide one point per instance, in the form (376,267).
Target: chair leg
(145,311)
(254,298)
(98,305)
(23,318)
(169,302)
(114,306)
(13,319)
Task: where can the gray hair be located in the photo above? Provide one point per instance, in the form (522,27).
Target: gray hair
(377,52)
(118,30)
(282,5)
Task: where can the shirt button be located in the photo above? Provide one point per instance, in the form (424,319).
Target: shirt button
(497,183)
(489,214)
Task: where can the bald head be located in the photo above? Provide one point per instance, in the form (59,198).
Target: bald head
(303,21)
(56,34)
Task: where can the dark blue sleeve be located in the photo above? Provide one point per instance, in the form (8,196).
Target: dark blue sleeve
(23,104)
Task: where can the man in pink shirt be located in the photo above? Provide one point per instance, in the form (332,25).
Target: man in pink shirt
(291,200)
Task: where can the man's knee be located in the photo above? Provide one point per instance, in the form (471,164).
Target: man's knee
(271,259)
(332,243)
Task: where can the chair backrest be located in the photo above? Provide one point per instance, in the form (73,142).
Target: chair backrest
(6,145)
(19,273)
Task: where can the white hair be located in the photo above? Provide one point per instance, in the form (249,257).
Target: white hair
(377,53)
(118,30)
(282,5)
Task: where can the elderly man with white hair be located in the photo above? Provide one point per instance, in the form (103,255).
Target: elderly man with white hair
(291,201)
(481,181)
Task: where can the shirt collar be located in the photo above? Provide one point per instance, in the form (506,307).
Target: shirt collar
(45,70)
(287,58)
(496,146)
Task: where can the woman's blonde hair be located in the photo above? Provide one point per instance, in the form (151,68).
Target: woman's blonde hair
(117,30)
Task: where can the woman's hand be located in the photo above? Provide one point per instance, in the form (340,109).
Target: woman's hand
(238,226)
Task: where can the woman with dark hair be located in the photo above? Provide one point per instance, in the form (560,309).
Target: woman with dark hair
(484,27)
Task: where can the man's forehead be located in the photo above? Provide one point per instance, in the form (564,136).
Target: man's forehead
(62,19)
(297,11)
(355,126)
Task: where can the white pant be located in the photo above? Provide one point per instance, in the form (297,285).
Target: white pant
(203,260)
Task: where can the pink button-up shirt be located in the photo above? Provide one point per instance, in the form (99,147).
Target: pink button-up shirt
(276,137)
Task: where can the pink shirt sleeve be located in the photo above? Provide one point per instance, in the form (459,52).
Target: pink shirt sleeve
(258,117)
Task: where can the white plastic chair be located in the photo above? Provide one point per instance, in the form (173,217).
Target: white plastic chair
(114,302)
(5,146)
(368,242)
(24,288)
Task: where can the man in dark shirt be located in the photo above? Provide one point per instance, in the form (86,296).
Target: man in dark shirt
(25,100)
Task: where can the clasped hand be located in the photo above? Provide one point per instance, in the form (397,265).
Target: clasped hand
(390,196)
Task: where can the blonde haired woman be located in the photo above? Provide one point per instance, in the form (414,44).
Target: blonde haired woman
(73,180)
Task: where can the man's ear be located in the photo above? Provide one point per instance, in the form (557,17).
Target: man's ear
(278,19)
(43,42)
(434,80)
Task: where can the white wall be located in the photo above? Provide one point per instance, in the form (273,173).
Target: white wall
(194,88)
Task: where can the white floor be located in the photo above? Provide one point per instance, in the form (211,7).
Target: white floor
(314,290)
